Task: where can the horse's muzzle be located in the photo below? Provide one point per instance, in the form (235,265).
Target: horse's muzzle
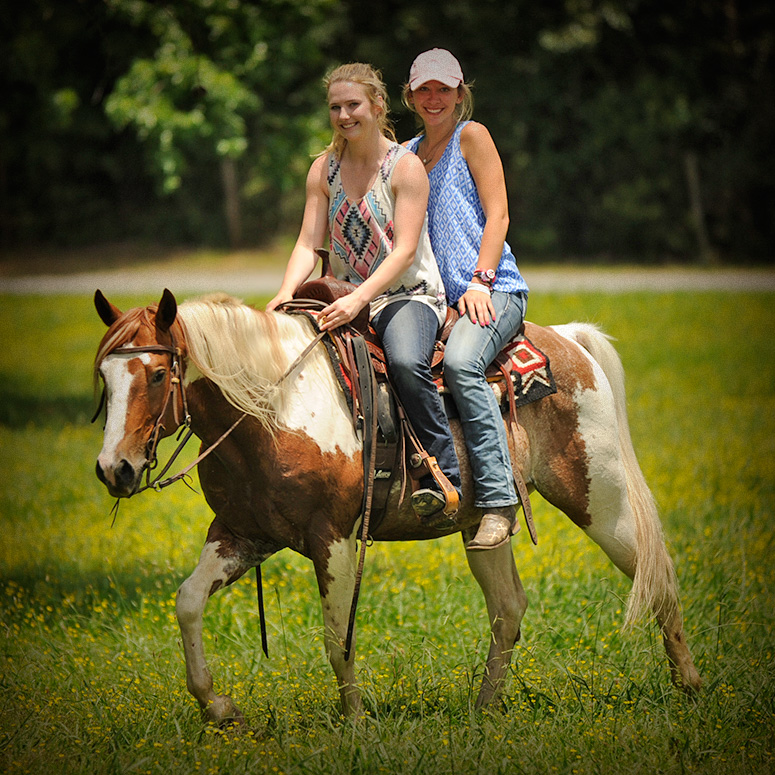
(121,480)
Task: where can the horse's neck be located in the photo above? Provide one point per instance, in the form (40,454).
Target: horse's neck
(314,404)
(309,401)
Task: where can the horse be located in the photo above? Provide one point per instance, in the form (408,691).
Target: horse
(286,470)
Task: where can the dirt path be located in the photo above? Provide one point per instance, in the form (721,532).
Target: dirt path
(244,282)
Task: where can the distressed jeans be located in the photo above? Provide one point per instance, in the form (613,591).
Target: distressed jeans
(408,330)
(470,350)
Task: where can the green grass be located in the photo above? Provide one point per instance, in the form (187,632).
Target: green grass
(92,678)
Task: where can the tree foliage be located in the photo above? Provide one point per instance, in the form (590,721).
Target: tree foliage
(628,128)
(224,77)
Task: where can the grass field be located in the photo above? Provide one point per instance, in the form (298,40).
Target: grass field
(92,678)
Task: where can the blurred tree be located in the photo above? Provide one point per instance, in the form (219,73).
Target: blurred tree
(628,128)
(60,160)
(225,75)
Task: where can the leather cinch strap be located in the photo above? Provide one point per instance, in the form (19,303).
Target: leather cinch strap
(368,397)
(519,480)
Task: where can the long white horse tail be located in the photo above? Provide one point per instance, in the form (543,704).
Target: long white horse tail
(655,584)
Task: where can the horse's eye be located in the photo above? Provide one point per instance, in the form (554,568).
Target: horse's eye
(158,376)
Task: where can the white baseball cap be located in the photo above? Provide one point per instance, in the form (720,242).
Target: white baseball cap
(435,65)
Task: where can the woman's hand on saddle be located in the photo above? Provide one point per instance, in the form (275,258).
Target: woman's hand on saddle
(344,310)
(478,306)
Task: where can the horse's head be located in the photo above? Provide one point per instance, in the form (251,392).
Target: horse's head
(139,361)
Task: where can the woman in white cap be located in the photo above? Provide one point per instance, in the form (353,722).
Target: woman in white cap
(468,219)
(367,197)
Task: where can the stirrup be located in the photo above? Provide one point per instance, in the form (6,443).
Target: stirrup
(448,490)
(429,506)
(427,503)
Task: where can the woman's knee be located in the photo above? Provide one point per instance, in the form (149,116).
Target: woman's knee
(408,371)
(460,365)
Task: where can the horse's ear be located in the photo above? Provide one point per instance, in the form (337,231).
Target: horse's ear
(168,309)
(108,313)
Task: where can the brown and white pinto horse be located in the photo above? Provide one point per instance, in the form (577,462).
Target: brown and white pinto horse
(290,475)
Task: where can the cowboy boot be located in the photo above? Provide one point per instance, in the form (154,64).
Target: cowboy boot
(431,506)
(495,529)
(438,502)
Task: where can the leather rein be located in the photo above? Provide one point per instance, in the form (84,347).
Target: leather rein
(176,385)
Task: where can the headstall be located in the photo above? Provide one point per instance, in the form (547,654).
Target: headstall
(176,382)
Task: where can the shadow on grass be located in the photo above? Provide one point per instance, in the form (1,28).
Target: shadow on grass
(53,595)
(18,409)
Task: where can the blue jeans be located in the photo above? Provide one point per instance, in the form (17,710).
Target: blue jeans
(408,330)
(470,350)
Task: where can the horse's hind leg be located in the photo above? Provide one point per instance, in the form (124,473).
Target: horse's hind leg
(620,513)
(633,540)
(506,601)
(213,572)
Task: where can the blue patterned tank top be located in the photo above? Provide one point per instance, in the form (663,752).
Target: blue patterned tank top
(361,236)
(456,224)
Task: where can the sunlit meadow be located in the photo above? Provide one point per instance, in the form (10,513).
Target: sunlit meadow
(92,675)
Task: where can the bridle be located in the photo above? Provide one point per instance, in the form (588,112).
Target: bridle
(176,385)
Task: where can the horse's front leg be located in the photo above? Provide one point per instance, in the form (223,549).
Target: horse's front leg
(335,567)
(506,600)
(213,572)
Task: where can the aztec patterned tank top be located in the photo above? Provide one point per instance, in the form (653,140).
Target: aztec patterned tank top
(361,236)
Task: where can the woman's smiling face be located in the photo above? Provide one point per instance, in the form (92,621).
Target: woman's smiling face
(434,102)
(350,110)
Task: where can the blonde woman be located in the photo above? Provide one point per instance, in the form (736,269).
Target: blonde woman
(468,218)
(367,198)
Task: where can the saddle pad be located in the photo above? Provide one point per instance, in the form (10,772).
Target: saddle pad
(531,375)
(527,367)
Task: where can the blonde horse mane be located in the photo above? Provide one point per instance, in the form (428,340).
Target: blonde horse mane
(245,352)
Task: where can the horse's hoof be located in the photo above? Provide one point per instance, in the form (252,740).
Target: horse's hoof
(224,713)
(688,681)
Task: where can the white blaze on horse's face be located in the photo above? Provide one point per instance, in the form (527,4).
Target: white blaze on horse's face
(123,453)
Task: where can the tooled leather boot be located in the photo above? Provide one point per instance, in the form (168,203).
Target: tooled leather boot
(497,526)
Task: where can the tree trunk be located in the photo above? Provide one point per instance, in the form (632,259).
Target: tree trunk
(707,254)
(231,201)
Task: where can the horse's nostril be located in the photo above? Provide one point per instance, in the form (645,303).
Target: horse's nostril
(125,474)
